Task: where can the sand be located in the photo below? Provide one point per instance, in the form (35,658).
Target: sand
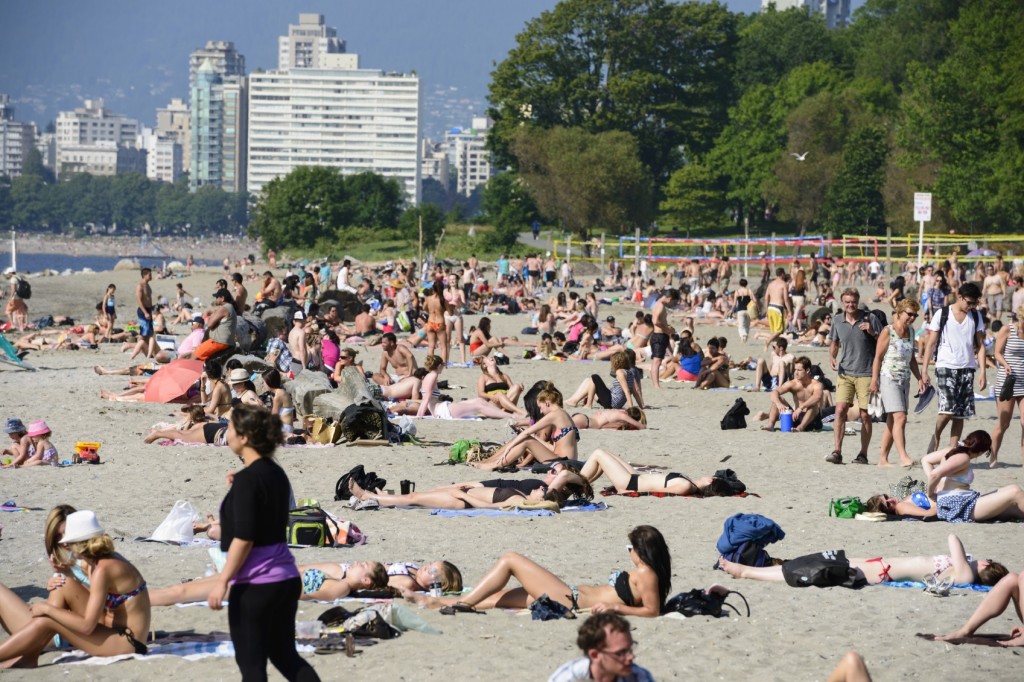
(791,634)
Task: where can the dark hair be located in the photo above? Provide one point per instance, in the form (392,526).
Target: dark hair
(213,369)
(530,399)
(146,271)
(717,488)
(804,362)
(332,336)
(272,378)
(592,634)
(649,545)
(236,277)
(259,426)
(783,342)
(225,294)
(779,272)
(743,282)
(484,325)
(976,443)
(233,363)
(969,290)
(876,503)
(992,573)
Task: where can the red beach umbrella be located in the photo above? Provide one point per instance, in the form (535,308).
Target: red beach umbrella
(172,380)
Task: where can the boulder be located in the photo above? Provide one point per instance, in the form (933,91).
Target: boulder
(348,303)
(252,333)
(305,388)
(252,363)
(127,264)
(275,319)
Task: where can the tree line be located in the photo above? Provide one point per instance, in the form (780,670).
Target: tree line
(614,114)
(36,201)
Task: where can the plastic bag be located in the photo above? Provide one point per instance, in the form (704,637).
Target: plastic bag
(177,527)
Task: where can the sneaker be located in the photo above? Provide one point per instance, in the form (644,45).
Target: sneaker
(860,459)
(834,458)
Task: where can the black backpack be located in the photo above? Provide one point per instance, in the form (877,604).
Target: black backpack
(734,418)
(979,325)
(698,602)
(735,484)
(22,289)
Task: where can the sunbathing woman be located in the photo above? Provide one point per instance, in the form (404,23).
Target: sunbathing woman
(496,387)
(482,343)
(626,479)
(640,592)
(556,487)
(101,619)
(957,566)
(1008,589)
(430,401)
(950,497)
(526,446)
(632,419)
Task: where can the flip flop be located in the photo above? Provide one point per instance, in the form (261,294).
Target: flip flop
(459,607)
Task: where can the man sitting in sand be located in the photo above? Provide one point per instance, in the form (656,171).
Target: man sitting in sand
(398,357)
(808,396)
(221,326)
(714,371)
(364,325)
(772,373)
(607,646)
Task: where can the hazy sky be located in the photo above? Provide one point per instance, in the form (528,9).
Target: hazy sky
(134,53)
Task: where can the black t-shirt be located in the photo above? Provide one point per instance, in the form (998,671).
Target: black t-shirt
(256,507)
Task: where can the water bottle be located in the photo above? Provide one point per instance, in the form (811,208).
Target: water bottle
(210,570)
(436,590)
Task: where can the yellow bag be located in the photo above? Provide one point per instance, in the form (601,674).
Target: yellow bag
(325,431)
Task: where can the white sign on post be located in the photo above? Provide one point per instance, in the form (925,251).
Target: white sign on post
(922,206)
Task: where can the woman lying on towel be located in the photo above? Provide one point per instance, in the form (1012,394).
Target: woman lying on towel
(957,566)
(527,447)
(632,419)
(557,486)
(626,479)
(105,611)
(639,592)
(323,582)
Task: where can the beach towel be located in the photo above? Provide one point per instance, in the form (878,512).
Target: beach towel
(920,586)
(9,354)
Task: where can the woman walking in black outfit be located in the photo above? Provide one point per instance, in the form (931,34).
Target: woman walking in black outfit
(265,584)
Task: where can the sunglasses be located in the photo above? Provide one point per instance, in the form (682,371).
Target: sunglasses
(971,302)
(629,548)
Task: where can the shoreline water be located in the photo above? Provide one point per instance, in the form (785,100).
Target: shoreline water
(160,248)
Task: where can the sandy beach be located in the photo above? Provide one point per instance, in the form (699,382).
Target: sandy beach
(792,634)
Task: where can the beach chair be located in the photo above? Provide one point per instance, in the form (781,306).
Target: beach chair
(10,355)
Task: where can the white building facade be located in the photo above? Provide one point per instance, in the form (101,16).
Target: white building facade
(468,155)
(352,119)
(164,155)
(836,12)
(16,139)
(173,121)
(86,137)
(307,44)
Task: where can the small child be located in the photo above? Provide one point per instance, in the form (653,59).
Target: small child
(40,450)
(19,446)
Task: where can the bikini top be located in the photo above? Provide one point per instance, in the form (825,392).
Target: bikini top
(114,600)
(495,386)
(620,581)
(565,432)
(963,479)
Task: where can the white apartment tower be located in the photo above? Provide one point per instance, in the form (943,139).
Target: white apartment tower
(836,12)
(16,139)
(468,155)
(173,121)
(223,58)
(91,139)
(307,44)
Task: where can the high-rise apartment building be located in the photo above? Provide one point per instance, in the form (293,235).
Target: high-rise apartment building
(468,155)
(89,137)
(434,162)
(836,12)
(307,44)
(15,140)
(163,155)
(217,107)
(173,121)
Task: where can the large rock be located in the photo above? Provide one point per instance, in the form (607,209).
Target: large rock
(127,264)
(252,363)
(370,421)
(348,303)
(275,319)
(305,388)
(252,333)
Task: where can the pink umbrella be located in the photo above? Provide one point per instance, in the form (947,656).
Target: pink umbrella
(172,380)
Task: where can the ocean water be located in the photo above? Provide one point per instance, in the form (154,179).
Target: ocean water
(34,262)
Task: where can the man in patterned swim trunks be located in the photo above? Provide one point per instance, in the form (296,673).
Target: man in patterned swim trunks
(956,339)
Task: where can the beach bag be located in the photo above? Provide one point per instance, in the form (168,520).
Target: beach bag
(365,480)
(734,418)
(369,623)
(22,289)
(546,608)
(698,602)
(906,487)
(846,508)
(735,484)
(826,569)
(311,527)
(460,450)
(361,422)
(325,431)
(177,527)
(1007,390)
(402,321)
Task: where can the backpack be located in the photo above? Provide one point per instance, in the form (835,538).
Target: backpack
(366,481)
(979,325)
(402,321)
(846,508)
(729,477)
(362,422)
(826,569)
(311,527)
(734,418)
(22,289)
(699,602)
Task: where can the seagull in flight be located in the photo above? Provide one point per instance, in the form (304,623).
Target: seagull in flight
(799,157)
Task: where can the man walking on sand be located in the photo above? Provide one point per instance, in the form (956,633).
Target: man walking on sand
(144,299)
(778,305)
(856,333)
(956,339)
(662,331)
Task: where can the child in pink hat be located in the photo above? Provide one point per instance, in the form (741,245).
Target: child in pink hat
(41,450)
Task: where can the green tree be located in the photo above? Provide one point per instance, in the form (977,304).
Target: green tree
(209,209)
(132,200)
(173,204)
(32,164)
(586,181)
(693,199)
(854,200)
(372,201)
(657,71)
(6,202)
(29,196)
(298,209)
(508,206)
(433,224)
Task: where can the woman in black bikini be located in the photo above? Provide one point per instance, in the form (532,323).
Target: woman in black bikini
(640,592)
(496,386)
(527,446)
(102,618)
(626,479)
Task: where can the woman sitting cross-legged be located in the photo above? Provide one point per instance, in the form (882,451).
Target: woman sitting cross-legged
(102,618)
(526,447)
(626,479)
(639,592)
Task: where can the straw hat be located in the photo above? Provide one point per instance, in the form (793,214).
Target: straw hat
(81,526)
(237,376)
(38,428)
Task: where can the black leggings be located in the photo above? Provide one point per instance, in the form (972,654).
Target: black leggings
(602,394)
(262,623)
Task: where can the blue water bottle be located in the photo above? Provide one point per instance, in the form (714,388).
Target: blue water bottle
(786,421)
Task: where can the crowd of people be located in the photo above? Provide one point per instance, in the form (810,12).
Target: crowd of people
(318,319)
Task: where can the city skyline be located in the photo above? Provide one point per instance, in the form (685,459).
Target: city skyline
(452,49)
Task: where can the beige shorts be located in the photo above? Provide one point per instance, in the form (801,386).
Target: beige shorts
(849,387)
